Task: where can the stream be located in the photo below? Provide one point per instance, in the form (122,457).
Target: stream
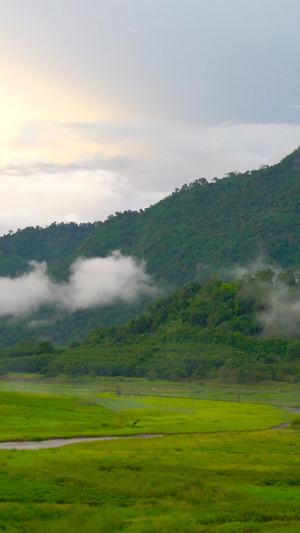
(57,443)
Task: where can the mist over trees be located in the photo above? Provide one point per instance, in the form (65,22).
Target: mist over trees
(202,331)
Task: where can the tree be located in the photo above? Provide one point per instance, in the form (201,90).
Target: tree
(45,347)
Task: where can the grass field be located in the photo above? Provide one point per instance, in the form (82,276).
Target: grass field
(279,394)
(236,481)
(41,416)
(225,483)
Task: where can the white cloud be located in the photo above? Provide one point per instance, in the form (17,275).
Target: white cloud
(282,316)
(26,293)
(164,155)
(39,193)
(93,283)
(100,281)
(260,263)
(160,157)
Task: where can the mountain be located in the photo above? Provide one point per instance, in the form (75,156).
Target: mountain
(202,229)
(205,228)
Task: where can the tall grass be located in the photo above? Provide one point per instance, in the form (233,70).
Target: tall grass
(210,482)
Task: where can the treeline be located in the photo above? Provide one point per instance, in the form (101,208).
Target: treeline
(54,244)
(229,357)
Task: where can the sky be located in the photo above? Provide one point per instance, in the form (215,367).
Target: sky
(108,105)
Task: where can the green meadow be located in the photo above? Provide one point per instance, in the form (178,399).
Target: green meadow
(217,469)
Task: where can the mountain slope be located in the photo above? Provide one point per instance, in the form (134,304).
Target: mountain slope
(53,244)
(206,227)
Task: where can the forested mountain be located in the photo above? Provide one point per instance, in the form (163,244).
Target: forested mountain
(206,227)
(200,230)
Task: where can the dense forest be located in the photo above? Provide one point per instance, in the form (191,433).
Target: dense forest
(200,230)
(54,245)
(211,330)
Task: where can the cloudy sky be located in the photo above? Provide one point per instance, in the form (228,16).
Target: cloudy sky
(109,105)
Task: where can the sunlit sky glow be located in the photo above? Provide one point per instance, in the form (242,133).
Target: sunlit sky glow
(110,105)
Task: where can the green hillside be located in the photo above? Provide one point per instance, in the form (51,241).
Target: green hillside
(200,230)
(200,331)
(204,228)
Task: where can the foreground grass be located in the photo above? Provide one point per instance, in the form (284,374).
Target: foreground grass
(212,483)
(231,482)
